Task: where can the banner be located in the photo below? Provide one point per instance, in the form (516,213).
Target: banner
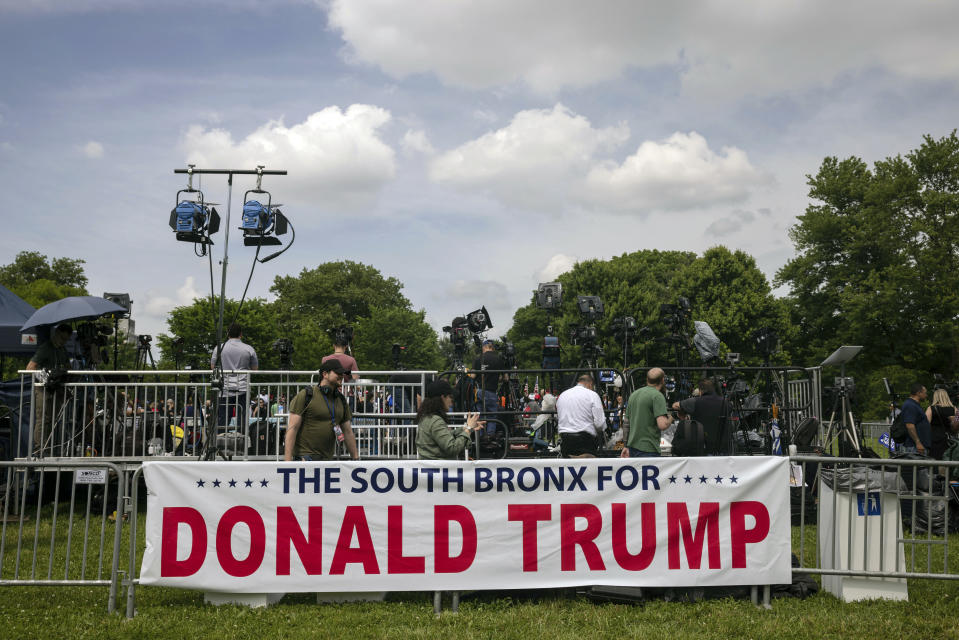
(250,527)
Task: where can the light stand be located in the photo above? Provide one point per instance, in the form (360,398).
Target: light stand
(209,449)
(841,356)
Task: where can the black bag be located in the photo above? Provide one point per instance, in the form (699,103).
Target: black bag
(690,440)
(898,430)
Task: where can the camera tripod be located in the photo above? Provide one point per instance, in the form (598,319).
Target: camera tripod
(143,355)
(846,427)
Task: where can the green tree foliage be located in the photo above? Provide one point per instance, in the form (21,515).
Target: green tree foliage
(724,288)
(877,265)
(196,324)
(306,308)
(376,335)
(40,281)
(335,293)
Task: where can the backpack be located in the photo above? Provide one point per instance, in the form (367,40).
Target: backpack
(690,439)
(898,429)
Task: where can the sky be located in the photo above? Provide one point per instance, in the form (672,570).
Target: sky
(469,148)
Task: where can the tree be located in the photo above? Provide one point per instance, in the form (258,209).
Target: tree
(725,289)
(335,293)
(40,281)
(877,264)
(376,335)
(196,325)
(347,293)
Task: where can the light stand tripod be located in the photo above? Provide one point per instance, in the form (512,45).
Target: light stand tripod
(847,426)
(210,450)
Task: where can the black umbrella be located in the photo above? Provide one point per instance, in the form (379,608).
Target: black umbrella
(70,309)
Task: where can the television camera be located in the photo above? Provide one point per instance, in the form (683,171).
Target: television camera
(591,309)
(284,348)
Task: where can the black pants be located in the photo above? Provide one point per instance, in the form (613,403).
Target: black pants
(575,444)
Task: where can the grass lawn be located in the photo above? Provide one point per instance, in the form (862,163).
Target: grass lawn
(80,612)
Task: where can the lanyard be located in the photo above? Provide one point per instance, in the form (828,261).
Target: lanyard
(330,408)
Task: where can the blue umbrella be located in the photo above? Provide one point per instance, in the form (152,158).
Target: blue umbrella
(70,309)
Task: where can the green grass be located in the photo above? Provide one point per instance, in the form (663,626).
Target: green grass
(80,612)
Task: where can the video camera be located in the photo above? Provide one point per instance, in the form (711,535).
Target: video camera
(89,333)
(342,336)
(676,316)
(283,346)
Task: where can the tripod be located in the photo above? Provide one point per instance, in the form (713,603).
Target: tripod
(143,355)
(847,425)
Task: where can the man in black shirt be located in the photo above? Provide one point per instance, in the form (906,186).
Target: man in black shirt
(489,359)
(711,411)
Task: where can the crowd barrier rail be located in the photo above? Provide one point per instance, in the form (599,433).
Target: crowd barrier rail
(63,522)
(53,535)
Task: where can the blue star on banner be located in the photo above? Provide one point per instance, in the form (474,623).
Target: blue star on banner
(216,483)
(248,483)
(200,483)
(719,479)
(264,482)
(232,483)
(688,479)
(733,479)
(702,479)
(672,479)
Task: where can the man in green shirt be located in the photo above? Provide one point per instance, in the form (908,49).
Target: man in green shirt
(647,414)
(312,430)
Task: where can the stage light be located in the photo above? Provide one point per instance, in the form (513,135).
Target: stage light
(194,220)
(261,222)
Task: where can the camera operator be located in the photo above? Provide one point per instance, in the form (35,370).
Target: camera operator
(711,411)
(235,355)
(341,347)
(486,399)
(315,426)
(581,419)
(434,438)
(648,415)
(52,356)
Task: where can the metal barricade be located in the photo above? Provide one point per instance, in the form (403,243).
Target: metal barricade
(62,536)
(136,415)
(875,518)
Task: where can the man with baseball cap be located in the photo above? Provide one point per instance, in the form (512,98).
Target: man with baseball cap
(319,417)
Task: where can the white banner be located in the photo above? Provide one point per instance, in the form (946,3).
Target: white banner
(249,527)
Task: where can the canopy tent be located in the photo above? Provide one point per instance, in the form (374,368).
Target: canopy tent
(14,311)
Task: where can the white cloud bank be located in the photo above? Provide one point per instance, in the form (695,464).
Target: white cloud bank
(93,150)
(549,159)
(720,47)
(334,157)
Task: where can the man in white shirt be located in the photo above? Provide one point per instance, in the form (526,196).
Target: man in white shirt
(581,419)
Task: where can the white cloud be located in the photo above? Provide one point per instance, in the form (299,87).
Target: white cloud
(93,149)
(720,48)
(552,159)
(531,161)
(334,157)
(681,172)
(158,304)
(556,266)
(417,142)
(730,224)
(484,292)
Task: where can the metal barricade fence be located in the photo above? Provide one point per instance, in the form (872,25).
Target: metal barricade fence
(59,535)
(136,415)
(875,517)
